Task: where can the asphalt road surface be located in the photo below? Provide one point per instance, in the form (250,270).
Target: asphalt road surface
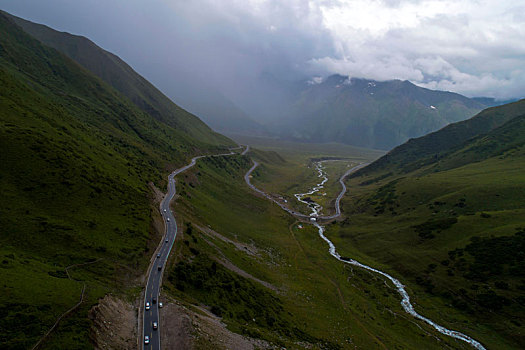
(159,259)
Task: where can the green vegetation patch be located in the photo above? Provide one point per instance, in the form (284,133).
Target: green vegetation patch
(233,297)
(494,257)
(426,230)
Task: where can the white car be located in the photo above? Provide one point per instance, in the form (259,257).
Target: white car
(146,339)
(160,305)
(164,210)
(155,325)
(168,219)
(147,305)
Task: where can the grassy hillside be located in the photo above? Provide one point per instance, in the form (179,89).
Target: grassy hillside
(371,114)
(450,224)
(76,161)
(430,148)
(123,78)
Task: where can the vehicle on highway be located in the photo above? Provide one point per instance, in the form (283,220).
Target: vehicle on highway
(147,305)
(160,304)
(158,255)
(164,210)
(154,300)
(146,339)
(159,267)
(155,325)
(168,219)
(167,240)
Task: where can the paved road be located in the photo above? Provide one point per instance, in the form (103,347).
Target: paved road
(343,191)
(161,256)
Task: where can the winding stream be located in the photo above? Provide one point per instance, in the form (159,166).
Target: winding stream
(315,207)
(405,302)
(315,215)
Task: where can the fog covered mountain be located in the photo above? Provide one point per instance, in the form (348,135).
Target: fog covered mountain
(369,113)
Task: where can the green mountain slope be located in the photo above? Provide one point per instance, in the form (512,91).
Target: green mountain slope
(76,159)
(372,114)
(123,78)
(450,224)
(431,147)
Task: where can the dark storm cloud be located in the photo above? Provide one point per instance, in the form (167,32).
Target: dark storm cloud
(471,47)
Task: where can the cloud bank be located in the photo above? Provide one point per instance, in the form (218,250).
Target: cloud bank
(473,47)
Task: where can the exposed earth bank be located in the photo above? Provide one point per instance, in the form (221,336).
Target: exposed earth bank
(182,328)
(114,324)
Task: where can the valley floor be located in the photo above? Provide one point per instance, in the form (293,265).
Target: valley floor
(268,276)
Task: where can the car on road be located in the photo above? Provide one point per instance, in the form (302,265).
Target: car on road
(159,268)
(160,304)
(164,210)
(154,300)
(168,219)
(147,306)
(155,325)
(167,240)
(146,339)
(158,255)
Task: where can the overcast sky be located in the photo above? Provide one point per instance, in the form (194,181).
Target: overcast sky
(476,48)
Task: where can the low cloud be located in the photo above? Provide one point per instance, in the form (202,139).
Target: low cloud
(315,81)
(473,47)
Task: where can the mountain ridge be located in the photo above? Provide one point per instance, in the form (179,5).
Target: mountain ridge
(443,140)
(122,77)
(117,73)
(370,113)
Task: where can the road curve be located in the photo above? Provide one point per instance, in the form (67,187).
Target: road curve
(158,261)
(297,214)
(343,191)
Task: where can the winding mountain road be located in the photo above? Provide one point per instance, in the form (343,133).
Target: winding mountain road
(158,261)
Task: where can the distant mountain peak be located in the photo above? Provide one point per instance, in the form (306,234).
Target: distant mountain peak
(336,80)
(370,113)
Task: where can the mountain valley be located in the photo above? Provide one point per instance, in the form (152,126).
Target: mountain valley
(288,233)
